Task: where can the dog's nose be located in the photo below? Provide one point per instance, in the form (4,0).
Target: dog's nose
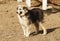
(20,12)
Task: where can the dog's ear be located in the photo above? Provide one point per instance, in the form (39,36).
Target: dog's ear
(25,8)
(17,8)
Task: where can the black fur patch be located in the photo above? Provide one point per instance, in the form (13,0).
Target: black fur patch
(35,15)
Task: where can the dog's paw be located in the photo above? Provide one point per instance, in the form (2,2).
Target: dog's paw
(44,33)
(27,35)
(24,34)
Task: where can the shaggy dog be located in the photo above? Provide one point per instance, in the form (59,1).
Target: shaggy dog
(29,17)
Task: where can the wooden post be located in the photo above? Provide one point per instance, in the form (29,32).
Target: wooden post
(44,4)
(19,0)
(28,3)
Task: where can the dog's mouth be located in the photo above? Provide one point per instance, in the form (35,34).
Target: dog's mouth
(22,15)
(25,15)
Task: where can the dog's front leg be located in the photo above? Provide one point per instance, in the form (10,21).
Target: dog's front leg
(44,30)
(27,31)
(22,24)
(24,29)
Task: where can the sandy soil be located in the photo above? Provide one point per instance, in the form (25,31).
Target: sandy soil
(10,29)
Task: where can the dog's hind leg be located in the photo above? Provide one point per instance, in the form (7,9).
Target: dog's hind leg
(44,30)
(37,27)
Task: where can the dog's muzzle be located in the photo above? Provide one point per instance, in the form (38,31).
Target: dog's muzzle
(19,13)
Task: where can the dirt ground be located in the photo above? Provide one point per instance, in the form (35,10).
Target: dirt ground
(10,29)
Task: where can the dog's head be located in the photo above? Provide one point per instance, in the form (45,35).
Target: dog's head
(22,10)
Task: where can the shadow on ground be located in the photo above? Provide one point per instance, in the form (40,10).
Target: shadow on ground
(53,3)
(48,31)
(52,11)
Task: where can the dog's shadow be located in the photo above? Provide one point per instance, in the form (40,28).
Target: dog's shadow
(52,11)
(48,31)
(53,3)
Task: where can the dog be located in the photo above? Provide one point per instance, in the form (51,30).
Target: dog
(28,16)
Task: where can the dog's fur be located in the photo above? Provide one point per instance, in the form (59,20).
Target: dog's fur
(30,16)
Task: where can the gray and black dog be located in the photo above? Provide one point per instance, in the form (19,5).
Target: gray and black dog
(29,18)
